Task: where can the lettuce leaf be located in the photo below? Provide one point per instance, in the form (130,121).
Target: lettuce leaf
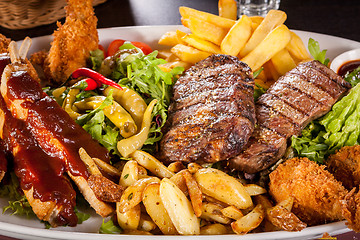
(314,49)
(110,228)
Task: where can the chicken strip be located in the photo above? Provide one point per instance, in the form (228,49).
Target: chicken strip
(351,209)
(4,43)
(73,41)
(317,194)
(54,130)
(345,166)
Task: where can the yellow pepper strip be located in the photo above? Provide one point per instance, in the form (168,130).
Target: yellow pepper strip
(129,145)
(115,112)
(68,103)
(131,101)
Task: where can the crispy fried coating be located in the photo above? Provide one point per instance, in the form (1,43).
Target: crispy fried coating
(351,209)
(4,43)
(317,194)
(73,41)
(345,166)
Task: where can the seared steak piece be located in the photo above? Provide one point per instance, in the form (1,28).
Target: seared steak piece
(212,114)
(300,96)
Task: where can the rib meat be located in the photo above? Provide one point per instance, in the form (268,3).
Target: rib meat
(300,96)
(212,113)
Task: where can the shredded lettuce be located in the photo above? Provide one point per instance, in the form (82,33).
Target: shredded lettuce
(336,129)
(96,58)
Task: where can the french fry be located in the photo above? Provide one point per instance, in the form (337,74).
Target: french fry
(214,229)
(169,39)
(237,37)
(180,35)
(212,212)
(275,41)
(89,162)
(194,192)
(187,12)
(283,62)
(129,219)
(254,189)
(271,74)
(223,187)
(179,208)
(167,54)
(297,48)
(156,210)
(189,54)
(232,212)
(273,19)
(256,19)
(200,44)
(146,223)
(228,9)
(152,164)
(176,167)
(129,175)
(284,219)
(132,195)
(207,30)
(106,167)
(250,221)
(166,67)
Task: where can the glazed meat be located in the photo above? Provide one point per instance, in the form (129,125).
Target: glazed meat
(300,96)
(212,113)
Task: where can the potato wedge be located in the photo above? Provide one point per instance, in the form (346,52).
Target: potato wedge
(232,212)
(156,210)
(228,9)
(132,195)
(106,167)
(297,48)
(284,219)
(129,219)
(273,19)
(254,189)
(169,39)
(189,54)
(129,174)
(179,181)
(152,164)
(146,223)
(176,167)
(201,44)
(193,167)
(214,229)
(283,62)
(207,30)
(271,45)
(194,192)
(250,221)
(223,187)
(187,12)
(212,212)
(179,208)
(237,36)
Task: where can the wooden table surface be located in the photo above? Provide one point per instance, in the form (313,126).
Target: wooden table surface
(334,17)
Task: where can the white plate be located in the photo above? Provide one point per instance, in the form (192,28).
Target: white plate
(23,228)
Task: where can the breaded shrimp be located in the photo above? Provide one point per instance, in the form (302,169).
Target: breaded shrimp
(345,166)
(73,41)
(4,43)
(317,194)
(351,209)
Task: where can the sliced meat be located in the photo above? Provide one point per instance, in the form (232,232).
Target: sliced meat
(300,96)
(212,114)
(53,129)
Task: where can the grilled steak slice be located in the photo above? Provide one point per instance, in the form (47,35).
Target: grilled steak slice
(300,96)
(212,114)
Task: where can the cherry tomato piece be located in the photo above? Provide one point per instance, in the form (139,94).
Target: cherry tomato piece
(114,46)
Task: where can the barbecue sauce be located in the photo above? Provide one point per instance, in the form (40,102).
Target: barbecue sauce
(348,67)
(55,130)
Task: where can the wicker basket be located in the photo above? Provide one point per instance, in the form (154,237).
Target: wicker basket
(21,14)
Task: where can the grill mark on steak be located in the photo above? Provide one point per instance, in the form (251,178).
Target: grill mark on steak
(212,114)
(296,90)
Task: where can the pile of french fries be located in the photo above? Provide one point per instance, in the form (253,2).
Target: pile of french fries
(260,42)
(190,200)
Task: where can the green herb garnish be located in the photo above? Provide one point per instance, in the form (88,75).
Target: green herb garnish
(314,49)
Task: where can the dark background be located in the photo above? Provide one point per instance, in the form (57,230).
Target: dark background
(333,17)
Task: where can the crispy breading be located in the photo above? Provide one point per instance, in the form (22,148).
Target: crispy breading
(345,166)
(4,43)
(73,41)
(317,194)
(351,209)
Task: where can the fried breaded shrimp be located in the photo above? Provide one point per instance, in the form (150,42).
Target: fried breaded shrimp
(351,209)
(72,41)
(317,194)
(4,43)
(345,166)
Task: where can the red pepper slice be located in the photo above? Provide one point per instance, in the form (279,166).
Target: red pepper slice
(87,84)
(87,72)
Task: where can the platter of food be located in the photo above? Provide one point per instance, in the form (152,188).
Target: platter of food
(31,228)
